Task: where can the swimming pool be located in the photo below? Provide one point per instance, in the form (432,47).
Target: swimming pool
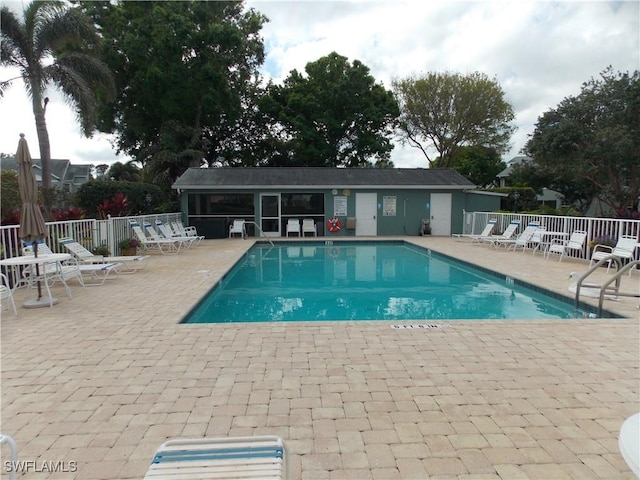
(381,280)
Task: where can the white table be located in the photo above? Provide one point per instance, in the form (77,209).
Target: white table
(45,274)
(545,237)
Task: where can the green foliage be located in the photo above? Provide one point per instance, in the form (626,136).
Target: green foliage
(449,110)
(334,116)
(518,199)
(480,165)
(11,201)
(184,70)
(55,44)
(93,194)
(587,147)
(128,171)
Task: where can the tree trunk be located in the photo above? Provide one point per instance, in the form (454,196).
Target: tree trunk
(43,139)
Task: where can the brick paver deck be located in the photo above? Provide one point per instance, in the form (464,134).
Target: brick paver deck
(97,382)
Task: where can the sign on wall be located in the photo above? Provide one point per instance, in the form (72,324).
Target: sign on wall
(339,206)
(389,206)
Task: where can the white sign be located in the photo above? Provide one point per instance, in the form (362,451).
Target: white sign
(339,206)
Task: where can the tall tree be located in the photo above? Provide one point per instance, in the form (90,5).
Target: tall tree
(594,138)
(445,111)
(182,68)
(54,45)
(336,115)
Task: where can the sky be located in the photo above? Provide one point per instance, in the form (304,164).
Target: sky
(539,52)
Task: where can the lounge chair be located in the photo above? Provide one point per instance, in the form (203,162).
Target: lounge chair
(629,442)
(130,264)
(486,232)
(6,293)
(507,235)
(624,250)
(309,226)
(166,232)
(189,231)
(293,226)
(14,455)
(562,247)
(263,457)
(238,228)
(164,246)
(522,240)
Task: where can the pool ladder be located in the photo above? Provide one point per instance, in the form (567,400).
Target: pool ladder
(262,235)
(607,287)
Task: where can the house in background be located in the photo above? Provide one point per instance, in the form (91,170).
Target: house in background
(64,175)
(366,201)
(548,197)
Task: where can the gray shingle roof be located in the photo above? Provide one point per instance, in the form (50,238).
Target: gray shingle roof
(320,177)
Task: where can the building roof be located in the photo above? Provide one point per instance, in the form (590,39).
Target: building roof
(321,177)
(514,161)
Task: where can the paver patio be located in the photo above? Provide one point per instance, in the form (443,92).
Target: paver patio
(97,382)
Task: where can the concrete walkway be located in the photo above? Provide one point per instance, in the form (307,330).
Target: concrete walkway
(93,385)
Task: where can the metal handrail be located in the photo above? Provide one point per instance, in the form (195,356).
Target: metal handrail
(606,287)
(616,277)
(262,234)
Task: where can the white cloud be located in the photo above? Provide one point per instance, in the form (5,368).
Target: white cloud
(539,51)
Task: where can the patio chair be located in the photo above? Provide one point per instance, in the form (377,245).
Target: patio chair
(190,231)
(624,250)
(486,232)
(309,226)
(562,247)
(130,264)
(166,232)
(164,246)
(521,240)
(293,226)
(6,293)
(14,455)
(508,234)
(629,442)
(238,228)
(263,457)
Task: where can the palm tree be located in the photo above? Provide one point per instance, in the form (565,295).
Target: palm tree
(52,45)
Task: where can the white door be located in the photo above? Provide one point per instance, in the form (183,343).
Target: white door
(366,214)
(270,214)
(441,214)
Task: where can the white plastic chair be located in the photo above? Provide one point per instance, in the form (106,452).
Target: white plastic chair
(238,228)
(309,226)
(562,247)
(6,293)
(293,226)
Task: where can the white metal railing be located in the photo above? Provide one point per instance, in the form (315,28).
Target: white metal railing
(611,228)
(90,232)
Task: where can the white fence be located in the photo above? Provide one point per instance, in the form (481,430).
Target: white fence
(90,232)
(596,228)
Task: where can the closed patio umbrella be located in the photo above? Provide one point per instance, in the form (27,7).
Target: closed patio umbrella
(32,226)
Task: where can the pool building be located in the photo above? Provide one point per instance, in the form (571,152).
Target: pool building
(365,201)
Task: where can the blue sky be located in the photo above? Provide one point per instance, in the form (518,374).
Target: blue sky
(539,52)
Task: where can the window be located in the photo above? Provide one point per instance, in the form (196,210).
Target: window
(302,204)
(228,204)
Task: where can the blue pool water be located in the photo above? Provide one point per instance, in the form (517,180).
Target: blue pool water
(311,281)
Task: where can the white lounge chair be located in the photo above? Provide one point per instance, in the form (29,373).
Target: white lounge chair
(486,232)
(190,231)
(508,234)
(263,457)
(130,264)
(238,228)
(6,293)
(164,246)
(629,442)
(293,226)
(309,226)
(562,247)
(624,250)
(166,232)
(522,240)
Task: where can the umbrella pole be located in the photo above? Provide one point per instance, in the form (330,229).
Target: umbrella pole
(35,254)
